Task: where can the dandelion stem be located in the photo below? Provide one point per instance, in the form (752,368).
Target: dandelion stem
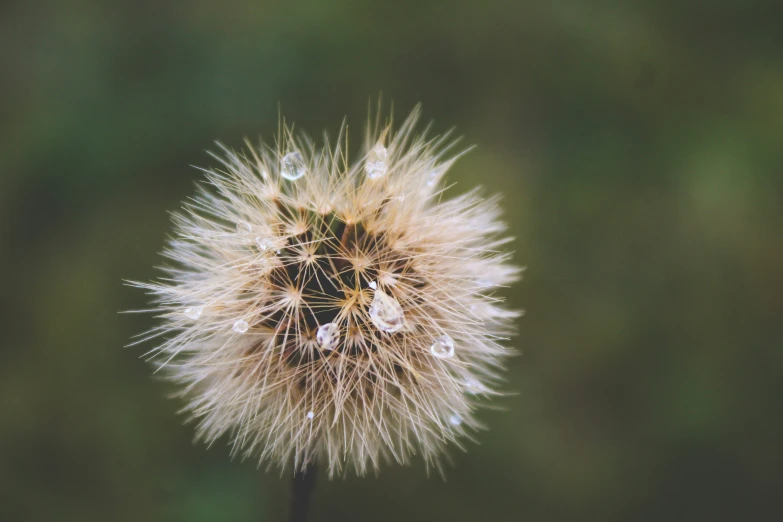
(302,488)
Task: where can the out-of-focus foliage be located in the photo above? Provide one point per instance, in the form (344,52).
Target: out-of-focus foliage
(638,145)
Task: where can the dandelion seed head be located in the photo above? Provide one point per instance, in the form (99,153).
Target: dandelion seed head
(321,309)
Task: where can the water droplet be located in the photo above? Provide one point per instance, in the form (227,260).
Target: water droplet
(243,228)
(292,166)
(310,415)
(435,174)
(328,336)
(376,165)
(264,243)
(376,169)
(240,326)
(455,420)
(194,312)
(474,386)
(386,313)
(443,347)
(484,282)
(380,152)
(373,285)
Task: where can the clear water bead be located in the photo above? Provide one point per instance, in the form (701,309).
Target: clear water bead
(455,420)
(194,312)
(292,166)
(376,165)
(443,347)
(240,326)
(243,228)
(474,386)
(386,313)
(328,336)
(485,282)
(264,243)
(310,415)
(373,285)
(436,173)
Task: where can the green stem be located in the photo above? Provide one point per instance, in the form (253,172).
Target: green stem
(302,489)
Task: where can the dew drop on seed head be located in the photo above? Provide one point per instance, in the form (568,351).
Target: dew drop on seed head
(292,166)
(310,415)
(386,313)
(376,169)
(380,152)
(193,312)
(373,285)
(455,420)
(474,386)
(376,165)
(240,326)
(485,282)
(264,243)
(328,336)
(435,174)
(243,228)
(443,347)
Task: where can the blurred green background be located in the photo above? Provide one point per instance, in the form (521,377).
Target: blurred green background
(638,146)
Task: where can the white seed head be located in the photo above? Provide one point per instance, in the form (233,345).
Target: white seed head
(317,309)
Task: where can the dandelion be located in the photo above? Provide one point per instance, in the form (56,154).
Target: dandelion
(318,309)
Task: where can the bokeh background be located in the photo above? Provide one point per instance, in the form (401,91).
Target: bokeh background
(638,146)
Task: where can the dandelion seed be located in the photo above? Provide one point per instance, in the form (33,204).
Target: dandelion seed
(377,364)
